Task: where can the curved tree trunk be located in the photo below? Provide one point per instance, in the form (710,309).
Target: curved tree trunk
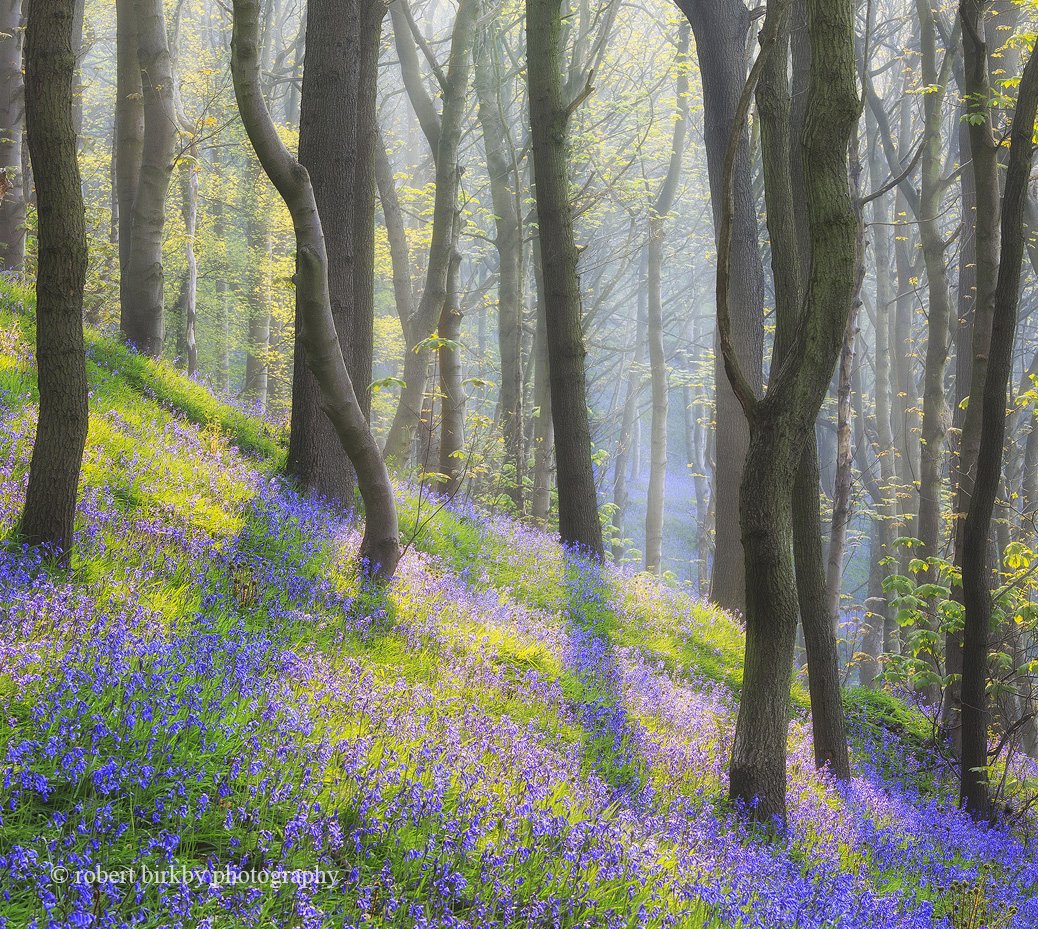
(549,117)
(380,548)
(782,423)
(50,62)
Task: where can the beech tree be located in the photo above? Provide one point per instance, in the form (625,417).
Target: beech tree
(61,431)
(380,547)
(549,116)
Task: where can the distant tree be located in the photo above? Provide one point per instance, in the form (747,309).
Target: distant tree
(12,119)
(549,118)
(50,62)
(721,29)
(380,547)
(141,290)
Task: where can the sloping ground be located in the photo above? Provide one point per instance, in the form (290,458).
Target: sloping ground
(505,737)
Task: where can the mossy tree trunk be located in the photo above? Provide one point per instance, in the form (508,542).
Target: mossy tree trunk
(50,63)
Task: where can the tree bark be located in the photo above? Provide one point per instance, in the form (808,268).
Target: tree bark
(12,119)
(721,30)
(142,282)
(445,138)
(380,547)
(657,355)
(50,63)
(494,114)
(782,422)
(337,132)
(579,524)
(129,135)
(976,574)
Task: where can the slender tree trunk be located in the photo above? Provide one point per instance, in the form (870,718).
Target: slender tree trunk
(396,233)
(494,115)
(452,393)
(50,62)
(549,117)
(445,140)
(189,287)
(129,136)
(257,357)
(12,119)
(380,548)
(543,428)
(844,473)
(624,450)
(976,573)
(657,354)
(721,30)
(935,408)
(142,288)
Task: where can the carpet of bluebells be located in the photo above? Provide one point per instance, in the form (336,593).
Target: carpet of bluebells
(507,736)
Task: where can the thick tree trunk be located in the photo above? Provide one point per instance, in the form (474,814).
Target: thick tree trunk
(50,62)
(549,117)
(142,288)
(494,115)
(721,30)
(380,548)
(12,119)
(330,144)
(445,140)
(976,574)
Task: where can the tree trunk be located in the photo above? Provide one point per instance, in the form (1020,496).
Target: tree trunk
(721,30)
(50,62)
(624,450)
(396,233)
(935,409)
(494,115)
(380,548)
(543,429)
(976,574)
(12,118)
(782,423)
(142,288)
(334,105)
(129,135)
(657,354)
(844,474)
(189,287)
(452,393)
(445,141)
(549,117)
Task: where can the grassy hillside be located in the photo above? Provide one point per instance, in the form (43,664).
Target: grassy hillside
(505,737)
